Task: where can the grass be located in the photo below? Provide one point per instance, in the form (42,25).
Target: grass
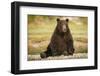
(39,35)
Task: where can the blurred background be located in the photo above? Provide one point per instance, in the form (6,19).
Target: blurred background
(41,28)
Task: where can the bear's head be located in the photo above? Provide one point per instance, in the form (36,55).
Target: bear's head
(62,25)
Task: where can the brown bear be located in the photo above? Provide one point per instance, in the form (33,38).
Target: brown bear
(61,41)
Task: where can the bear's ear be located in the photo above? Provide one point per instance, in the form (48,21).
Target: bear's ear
(67,20)
(58,19)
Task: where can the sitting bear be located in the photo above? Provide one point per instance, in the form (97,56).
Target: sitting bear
(61,41)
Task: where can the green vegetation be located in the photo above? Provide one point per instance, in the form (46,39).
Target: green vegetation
(40,29)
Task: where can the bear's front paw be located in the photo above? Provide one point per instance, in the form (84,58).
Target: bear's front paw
(65,53)
(71,51)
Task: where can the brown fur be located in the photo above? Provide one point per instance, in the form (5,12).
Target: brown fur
(61,42)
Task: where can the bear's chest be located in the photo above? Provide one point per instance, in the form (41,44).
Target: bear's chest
(61,44)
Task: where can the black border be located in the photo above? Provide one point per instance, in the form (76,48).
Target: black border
(15,34)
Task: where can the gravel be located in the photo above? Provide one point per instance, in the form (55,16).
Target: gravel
(75,56)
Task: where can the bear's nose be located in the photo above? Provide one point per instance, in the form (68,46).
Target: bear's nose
(64,28)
